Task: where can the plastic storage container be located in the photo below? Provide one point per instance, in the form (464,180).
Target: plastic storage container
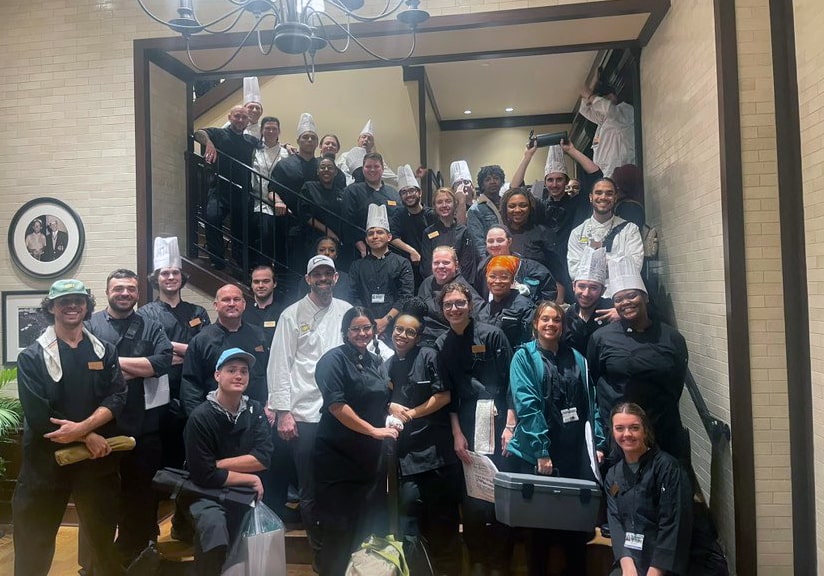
(529,501)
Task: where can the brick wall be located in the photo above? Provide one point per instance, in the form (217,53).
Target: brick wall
(681,162)
(809,21)
(763,242)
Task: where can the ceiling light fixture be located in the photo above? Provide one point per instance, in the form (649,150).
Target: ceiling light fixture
(510,109)
(467,112)
(299,26)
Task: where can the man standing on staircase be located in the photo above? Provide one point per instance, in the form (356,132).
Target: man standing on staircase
(229,189)
(181,321)
(306,331)
(145,356)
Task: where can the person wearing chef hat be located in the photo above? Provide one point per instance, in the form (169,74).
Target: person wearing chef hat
(409,222)
(181,321)
(366,141)
(228,194)
(603,228)
(383,280)
(253,104)
(591,310)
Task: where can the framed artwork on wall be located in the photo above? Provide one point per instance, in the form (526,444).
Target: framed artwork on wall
(46,238)
(23,322)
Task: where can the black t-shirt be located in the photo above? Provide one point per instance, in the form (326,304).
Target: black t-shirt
(409,227)
(241,147)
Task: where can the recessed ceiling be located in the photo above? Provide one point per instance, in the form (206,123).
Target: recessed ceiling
(535,60)
(546,84)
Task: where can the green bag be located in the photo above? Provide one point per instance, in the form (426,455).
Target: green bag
(378,557)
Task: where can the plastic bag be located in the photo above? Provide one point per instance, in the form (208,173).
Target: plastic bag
(378,557)
(261,546)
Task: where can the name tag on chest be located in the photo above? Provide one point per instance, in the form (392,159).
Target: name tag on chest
(634,541)
(569,415)
(378,298)
(270,324)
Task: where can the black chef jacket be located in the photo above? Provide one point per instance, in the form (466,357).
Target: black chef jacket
(382,284)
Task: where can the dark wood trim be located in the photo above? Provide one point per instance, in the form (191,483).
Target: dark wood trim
(735,275)
(506,122)
(656,9)
(143,166)
(636,104)
(216,95)
(794,273)
(171,65)
(417,74)
(656,16)
(430,94)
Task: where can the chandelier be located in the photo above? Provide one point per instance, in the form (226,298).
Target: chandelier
(297,26)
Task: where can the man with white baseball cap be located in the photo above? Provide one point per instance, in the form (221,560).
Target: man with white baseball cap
(306,331)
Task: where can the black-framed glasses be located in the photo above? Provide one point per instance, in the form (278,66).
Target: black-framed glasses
(365,329)
(408,332)
(456,304)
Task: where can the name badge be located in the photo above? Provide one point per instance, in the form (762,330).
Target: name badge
(569,415)
(259,348)
(304,328)
(378,298)
(195,322)
(96,365)
(391,203)
(270,324)
(478,348)
(434,234)
(634,541)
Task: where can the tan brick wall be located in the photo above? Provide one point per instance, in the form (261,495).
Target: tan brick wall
(763,242)
(809,21)
(682,170)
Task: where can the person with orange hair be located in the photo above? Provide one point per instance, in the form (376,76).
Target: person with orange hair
(507,308)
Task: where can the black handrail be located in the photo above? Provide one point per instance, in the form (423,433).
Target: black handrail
(717,430)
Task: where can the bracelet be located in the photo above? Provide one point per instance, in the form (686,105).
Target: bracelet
(510,427)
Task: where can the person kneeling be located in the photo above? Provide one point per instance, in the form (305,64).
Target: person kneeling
(228,442)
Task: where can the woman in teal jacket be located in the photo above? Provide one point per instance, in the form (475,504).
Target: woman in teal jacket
(555,409)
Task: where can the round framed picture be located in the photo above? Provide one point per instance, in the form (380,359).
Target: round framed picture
(46,238)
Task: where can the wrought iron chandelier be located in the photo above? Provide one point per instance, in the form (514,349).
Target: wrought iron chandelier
(298,26)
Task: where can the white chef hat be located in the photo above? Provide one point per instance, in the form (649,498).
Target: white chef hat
(368,128)
(406,178)
(306,124)
(251,90)
(459,170)
(354,158)
(166,253)
(377,217)
(593,266)
(555,161)
(624,275)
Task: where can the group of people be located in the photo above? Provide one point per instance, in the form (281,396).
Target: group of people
(513,324)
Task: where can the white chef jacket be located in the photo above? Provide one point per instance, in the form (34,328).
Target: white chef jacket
(616,128)
(263,162)
(304,333)
(626,243)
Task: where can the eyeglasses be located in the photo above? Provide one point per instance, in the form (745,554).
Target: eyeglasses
(365,329)
(456,304)
(499,277)
(409,332)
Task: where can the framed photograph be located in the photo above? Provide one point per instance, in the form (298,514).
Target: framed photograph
(22,322)
(46,238)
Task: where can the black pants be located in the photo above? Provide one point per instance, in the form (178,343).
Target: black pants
(280,474)
(302,451)
(137,522)
(216,528)
(429,508)
(222,203)
(38,508)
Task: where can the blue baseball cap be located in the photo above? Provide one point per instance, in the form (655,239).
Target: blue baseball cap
(233,354)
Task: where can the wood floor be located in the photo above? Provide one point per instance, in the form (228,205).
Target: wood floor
(65,556)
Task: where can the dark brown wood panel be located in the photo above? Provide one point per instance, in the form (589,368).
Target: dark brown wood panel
(794,273)
(735,275)
(506,122)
